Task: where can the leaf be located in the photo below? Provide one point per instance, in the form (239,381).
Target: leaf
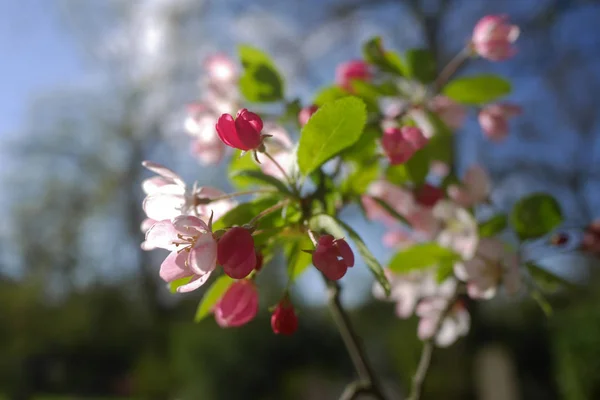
(243,213)
(334,127)
(336,228)
(478,89)
(299,261)
(420,65)
(421,256)
(493,226)
(391,211)
(241,163)
(260,177)
(535,215)
(260,82)
(329,94)
(178,282)
(546,280)
(415,170)
(388,61)
(212,297)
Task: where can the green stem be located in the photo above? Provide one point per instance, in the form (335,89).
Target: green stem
(206,200)
(269,210)
(451,68)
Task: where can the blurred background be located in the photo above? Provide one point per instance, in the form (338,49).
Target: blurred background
(93,87)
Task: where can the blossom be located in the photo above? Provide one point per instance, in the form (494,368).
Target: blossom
(280,148)
(242,133)
(236,252)
(476,187)
(493,37)
(200,124)
(450,112)
(305,114)
(238,306)
(492,264)
(346,72)
(333,257)
(284,319)
(408,288)
(193,250)
(169,197)
(400,145)
(494,120)
(456,321)
(428,195)
(220,68)
(459,228)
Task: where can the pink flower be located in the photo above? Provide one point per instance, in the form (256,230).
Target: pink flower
(333,257)
(428,195)
(397,239)
(492,264)
(193,250)
(242,133)
(169,197)
(414,136)
(346,72)
(206,145)
(238,306)
(284,319)
(220,68)
(236,252)
(305,114)
(450,112)
(493,37)
(401,144)
(494,120)
(476,187)
(455,324)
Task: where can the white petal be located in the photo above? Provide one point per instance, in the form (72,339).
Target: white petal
(164,172)
(161,235)
(161,206)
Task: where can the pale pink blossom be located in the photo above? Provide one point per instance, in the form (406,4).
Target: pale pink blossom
(492,265)
(220,69)
(407,289)
(456,322)
(494,120)
(475,188)
(459,228)
(206,145)
(193,250)
(172,197)
(450,112)
(305,114)
(493,38)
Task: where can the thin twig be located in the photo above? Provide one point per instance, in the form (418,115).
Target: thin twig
(451,68)
(280,168)
(355,389)
(269,210)
(206,200)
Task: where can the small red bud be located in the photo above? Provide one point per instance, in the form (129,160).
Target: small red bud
(284,320)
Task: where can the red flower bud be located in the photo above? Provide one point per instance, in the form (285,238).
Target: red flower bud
(238,306)
(352,70)
(494,120)
(243,133)
(493,37)
(235,252)
(333,257)
(284,320)
(305,114)
(414,136)
(396,147)
(428,195)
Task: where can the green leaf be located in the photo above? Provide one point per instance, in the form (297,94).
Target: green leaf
(329,94)
(299,261)
(375,54)
(334,127)
(260,177)
(241,163)
(478,89)
(493,226)
(421,256)
(178,282)
(420,65)
(535,215)
(391,211)
(546,280)
(212,297)
(415,170)
(260,82)
(360,178)
(441,144)
(336,228)
(243,213)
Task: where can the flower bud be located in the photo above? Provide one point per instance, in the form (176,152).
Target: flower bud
(333,257)
(238,306)
(305,114)
(284,320)
(352,70)
(427,195)
(235,253)
(494,120)
(414,136)
(396,147)
(493,37)
(242,133)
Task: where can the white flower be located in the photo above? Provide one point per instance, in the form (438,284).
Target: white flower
(459,231)
(455,324)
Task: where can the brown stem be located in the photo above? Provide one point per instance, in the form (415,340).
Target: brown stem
(451,68)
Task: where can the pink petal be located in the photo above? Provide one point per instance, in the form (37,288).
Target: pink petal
(164,172)
(189,225)
(203,256)
(173,267)
(151,185)
(194,283)
(161,235)
(227,132)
